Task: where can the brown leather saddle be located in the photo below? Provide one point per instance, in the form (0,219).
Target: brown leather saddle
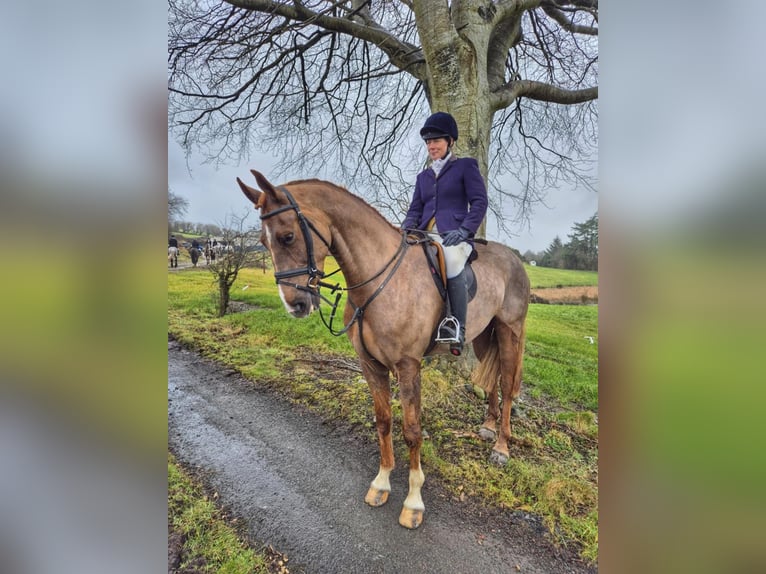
(437,266)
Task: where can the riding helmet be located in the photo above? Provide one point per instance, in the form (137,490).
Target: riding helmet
(439,125)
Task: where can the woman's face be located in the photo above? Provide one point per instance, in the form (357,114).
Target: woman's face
(437,148)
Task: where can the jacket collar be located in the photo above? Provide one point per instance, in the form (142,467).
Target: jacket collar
(452,159)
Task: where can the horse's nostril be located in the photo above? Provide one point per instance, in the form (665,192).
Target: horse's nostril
(300,306)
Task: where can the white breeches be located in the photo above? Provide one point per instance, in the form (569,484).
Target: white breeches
(454,256)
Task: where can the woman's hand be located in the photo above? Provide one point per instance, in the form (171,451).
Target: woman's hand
(456,236)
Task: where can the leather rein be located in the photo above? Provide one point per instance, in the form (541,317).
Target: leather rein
(316,276)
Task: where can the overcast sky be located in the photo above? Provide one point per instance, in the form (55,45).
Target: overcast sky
(213,194)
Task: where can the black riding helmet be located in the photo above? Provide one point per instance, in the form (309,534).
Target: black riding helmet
(439,125)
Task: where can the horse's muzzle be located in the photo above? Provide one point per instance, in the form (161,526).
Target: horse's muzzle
(302,305)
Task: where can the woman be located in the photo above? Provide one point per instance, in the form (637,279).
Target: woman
(450,201)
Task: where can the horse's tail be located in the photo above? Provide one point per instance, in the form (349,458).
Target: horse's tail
(516,389)
(487,372)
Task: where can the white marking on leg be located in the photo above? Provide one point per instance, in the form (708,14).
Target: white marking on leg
(414,501)
(381,481)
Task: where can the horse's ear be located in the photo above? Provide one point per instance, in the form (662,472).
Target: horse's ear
(264,183)
(258,198)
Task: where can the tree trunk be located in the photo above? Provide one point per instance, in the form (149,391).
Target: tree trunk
(457,79)
(223,297)
(474,136)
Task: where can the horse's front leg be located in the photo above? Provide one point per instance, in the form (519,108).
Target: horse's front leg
(408,375)
(380,387)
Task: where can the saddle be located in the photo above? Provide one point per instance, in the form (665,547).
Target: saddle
(435,257)
(436,265)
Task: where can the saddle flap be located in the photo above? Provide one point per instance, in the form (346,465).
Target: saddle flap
(438,267)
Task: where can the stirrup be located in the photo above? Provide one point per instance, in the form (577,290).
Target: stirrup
(448,331)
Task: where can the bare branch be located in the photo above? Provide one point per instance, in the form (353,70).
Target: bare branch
(558,14)
(540,91)
(338,88)
(401,54)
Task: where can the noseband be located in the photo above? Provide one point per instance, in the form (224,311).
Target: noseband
(306,227)
(315,275)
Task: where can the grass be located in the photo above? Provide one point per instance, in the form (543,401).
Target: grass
(560,360)
(207,537)
(553,471)
(542,277)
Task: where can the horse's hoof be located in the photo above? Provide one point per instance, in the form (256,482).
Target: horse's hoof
(487,434)
(498,458)
(411,518)
(376,497)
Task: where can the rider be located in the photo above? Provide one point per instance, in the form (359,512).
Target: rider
(450,201)
(173,242)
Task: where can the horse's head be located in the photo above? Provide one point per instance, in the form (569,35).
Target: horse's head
(295,236)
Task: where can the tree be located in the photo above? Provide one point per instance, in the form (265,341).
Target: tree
(530,256)
(239,244)
(177,206)
(211,230)
(338,87)
(582,249)
(581,252)
(554,255)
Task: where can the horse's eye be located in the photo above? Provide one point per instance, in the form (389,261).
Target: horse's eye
(287,239)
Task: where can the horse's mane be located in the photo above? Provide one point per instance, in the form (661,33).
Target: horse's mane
(340,188)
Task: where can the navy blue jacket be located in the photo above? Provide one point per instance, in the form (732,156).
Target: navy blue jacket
(448,197)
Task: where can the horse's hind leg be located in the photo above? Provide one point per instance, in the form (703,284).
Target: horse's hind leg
(380,387)
(408,374)
(510,339)
(486,376)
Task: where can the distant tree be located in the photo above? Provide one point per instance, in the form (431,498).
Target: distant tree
(177,206)
(528,256)
(554,255)
(536,256)
(211,230)
(227,264)
(582,250)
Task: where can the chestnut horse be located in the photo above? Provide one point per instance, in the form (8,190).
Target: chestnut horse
(392,310)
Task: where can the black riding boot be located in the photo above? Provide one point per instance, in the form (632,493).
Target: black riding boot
(458,299)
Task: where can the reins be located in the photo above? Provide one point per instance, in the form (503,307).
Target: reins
(359,311)
(315,281)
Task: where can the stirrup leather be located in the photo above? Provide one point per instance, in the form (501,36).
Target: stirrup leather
(449,330)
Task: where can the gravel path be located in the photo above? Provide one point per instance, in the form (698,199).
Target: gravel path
(300,484)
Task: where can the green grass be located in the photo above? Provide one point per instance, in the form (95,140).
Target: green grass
(542,277)
(560,360)
(553,470)
(208,537)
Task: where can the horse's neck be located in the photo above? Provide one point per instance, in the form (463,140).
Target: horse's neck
(363,242)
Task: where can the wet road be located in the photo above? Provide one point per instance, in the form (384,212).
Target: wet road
(300,485)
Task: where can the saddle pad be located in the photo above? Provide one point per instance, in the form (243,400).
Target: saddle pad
(435,256)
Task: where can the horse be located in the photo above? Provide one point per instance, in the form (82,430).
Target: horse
(392,310)
(173,256)
(194,253)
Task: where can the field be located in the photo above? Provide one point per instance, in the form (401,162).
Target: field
(553,471)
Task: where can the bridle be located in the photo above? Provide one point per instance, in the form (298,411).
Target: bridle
(316,276)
